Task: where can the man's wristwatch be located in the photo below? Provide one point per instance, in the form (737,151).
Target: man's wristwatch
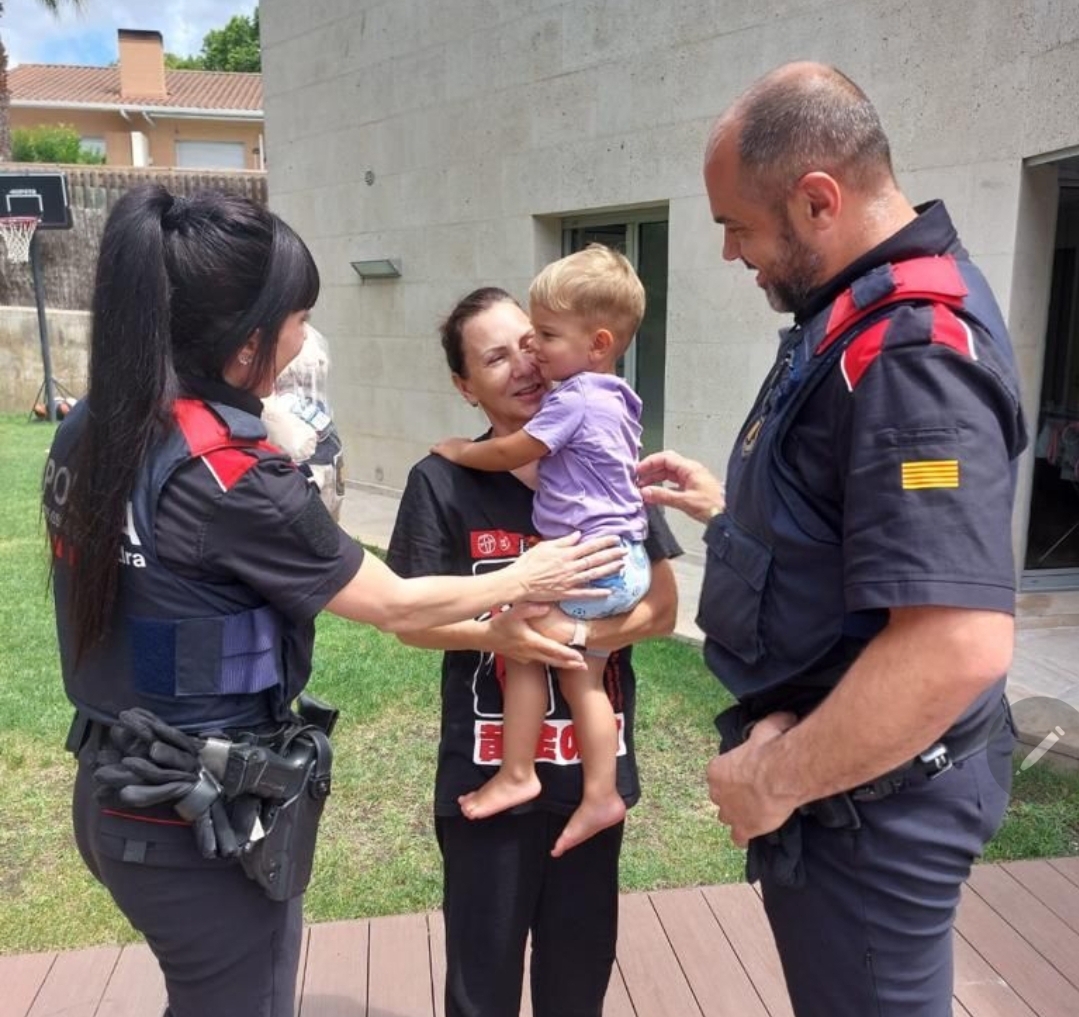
(579,640)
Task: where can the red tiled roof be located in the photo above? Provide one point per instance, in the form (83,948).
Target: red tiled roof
(64,85)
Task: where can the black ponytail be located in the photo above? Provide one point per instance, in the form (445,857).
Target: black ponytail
(182,284)
(131,388)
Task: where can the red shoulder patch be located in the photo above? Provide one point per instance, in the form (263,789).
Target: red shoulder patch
(208,438)
(948,330)
(201,427)
(228,465)
(861,353)
(931,278)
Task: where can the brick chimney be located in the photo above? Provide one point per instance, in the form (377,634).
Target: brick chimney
(142,64)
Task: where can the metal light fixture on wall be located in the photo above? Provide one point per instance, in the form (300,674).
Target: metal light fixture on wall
(378,268)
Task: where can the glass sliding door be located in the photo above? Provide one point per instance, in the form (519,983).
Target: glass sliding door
(641,235)
(650,369)
(1052,560)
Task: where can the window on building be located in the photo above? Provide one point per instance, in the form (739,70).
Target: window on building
(94,145)
(211,155)
(641,236)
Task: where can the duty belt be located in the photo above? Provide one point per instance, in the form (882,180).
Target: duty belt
(837,812)
(87,732)
(256,797)
(779,853)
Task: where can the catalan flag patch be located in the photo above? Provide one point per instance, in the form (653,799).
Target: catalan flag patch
(926,474)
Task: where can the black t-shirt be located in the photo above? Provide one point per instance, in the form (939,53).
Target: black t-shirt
(270,531)
(456,521)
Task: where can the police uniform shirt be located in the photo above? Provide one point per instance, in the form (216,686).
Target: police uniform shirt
(269,531)
(915,460)
(456,521)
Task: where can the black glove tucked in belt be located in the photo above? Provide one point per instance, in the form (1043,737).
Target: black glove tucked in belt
(152,763)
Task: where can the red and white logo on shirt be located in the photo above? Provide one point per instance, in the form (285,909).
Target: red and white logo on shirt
(557,742)
(496,543)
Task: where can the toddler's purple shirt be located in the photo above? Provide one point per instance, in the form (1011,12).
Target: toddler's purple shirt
(592,425)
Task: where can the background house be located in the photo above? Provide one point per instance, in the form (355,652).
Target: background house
(139,113)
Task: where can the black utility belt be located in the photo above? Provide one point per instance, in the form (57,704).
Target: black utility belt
(936,761)
(88,732)
(255,797)
(838,812)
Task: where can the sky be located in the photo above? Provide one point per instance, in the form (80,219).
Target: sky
(34,36)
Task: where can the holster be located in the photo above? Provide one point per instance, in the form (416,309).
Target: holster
(316,712)
(777,854)
(281,860)
(85,734)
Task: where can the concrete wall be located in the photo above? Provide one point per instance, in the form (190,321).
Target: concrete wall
(21,371)
(454,136)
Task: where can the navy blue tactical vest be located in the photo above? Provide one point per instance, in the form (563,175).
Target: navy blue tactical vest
(201,655)
(772,604)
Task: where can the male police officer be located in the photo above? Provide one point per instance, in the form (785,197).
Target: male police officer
(859,588)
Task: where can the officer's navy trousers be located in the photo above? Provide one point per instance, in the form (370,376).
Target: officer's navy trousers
(225,949)
(870,932)
(500,883)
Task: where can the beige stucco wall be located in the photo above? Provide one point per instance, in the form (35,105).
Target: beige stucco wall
(453,136)
(162,132)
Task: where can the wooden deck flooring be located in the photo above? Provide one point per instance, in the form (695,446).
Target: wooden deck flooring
(703,952)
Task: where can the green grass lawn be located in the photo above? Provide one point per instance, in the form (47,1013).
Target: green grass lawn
(377,853)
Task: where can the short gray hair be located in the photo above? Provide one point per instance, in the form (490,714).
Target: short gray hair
(801,118)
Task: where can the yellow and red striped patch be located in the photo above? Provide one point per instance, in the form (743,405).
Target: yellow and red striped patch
(926,474)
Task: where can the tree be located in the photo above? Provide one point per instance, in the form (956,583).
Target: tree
(51,143)
(232,48)
(53,6)
(182,63)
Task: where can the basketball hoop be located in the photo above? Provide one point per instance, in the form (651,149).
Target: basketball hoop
(16,232)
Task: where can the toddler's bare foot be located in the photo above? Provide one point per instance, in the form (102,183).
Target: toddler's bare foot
(591,816)
(501,792)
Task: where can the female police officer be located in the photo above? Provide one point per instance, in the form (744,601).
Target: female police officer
(190,558)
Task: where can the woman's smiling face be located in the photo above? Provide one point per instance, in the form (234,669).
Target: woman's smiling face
(501,375)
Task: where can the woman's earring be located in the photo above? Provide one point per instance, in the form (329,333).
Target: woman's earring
(245,359)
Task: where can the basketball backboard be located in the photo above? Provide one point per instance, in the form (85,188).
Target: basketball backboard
(42,194)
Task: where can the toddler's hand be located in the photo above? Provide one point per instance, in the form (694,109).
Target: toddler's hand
(450,448)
